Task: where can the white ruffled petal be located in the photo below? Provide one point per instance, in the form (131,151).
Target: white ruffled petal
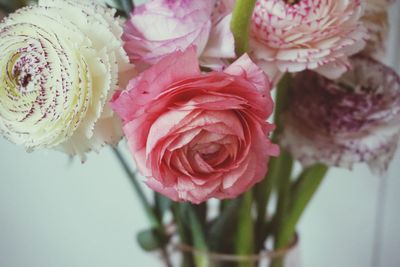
(62,61)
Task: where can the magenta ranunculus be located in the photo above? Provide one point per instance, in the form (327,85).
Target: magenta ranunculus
(160,27)
(198,135)
(292,36)
(340,123)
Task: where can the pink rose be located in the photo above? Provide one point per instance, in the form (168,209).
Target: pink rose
(160,27)
(198,135)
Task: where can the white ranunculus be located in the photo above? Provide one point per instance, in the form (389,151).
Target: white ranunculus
(60,62)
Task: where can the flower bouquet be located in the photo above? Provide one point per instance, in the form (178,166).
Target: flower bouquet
(217,101)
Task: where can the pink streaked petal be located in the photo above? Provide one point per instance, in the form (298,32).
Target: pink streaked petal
(199,165)
(159,187)
(183,139)
(181,164)
(208,137)
(211,120)
(163,126)
(137,129)
(246,68)
(232,177)
(152,82)
(247,179)
(213,101)
(141,162)
(207,191)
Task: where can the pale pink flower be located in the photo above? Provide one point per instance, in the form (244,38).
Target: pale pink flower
(309,34)
(160,27)
(355,119)
(196,136)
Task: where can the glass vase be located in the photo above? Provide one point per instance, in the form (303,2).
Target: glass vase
(186,256)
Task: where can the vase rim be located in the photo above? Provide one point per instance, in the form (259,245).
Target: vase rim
(265,253)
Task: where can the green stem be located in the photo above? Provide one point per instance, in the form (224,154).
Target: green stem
(201,212)
(276,165)
(305,188)
(284,170)
(183,232)
(199,241)
(240,25)
(282,100)
(309,181)
(283,200)
(244,243)
(220,232)
(191,231)
(138,189)
(285,164)
(223,204)
(151,215)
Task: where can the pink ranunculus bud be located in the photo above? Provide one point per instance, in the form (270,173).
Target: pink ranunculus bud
(194,135)
(160,27)
(353,120)
(292,36)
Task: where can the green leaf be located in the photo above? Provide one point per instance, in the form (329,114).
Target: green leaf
(150,240)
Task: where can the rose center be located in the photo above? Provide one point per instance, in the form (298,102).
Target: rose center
(209,151)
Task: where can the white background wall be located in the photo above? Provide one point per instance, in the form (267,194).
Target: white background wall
(57,213)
